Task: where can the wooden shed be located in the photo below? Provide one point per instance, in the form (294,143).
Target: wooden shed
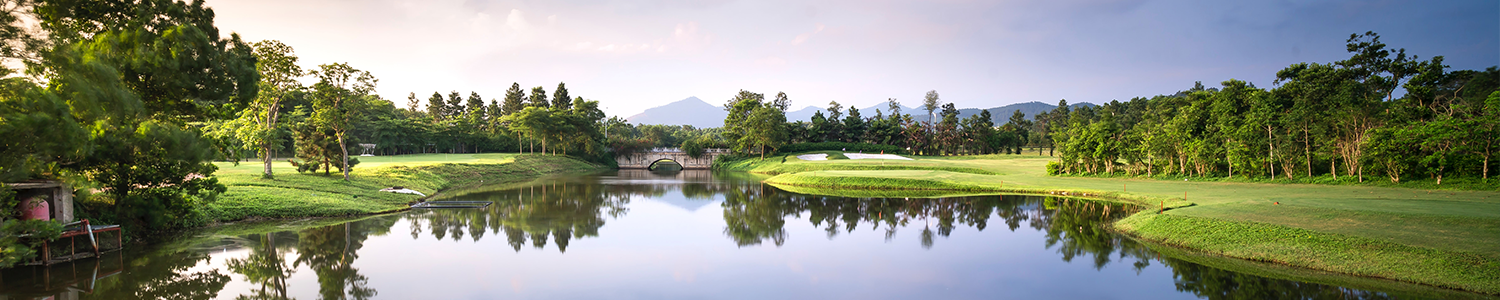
(58,194)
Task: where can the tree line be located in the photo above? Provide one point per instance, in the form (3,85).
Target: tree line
(322,122)
(757,126)
(1346,119)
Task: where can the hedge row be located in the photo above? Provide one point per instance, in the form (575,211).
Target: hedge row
(841,146)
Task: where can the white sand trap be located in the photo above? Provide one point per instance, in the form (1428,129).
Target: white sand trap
(813,157)
(874,156)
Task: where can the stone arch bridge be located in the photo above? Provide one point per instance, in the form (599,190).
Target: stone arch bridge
(649,158)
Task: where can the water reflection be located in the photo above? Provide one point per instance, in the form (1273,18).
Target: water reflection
(266,265)
(273,264)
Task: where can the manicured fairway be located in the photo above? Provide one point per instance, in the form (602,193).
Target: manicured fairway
(1458,223)
(293,195)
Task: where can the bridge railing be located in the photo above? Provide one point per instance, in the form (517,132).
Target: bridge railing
(679,150)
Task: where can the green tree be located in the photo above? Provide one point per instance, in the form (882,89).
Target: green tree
(560,98)
(834,129)
(539,97)
(854,126)
(755,124)
(136,73)
(817,127)
(1018,125)
(515,100)
(40,132)
(931,103)
(475,106)
(436,107)
(278,68)
(338,99)
(456,109)
(412,102)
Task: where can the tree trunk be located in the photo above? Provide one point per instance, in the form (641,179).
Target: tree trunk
(265,148)
(1271,143)
(1333,168)
(1307,150)
(1226,157)
(271,115)
(345,152)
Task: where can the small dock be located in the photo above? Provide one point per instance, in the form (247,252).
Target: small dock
(53,200)
(75,230)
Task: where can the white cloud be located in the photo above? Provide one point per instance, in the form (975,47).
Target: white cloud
(516,21)
(480,24)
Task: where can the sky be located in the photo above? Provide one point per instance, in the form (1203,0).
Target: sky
(634,55)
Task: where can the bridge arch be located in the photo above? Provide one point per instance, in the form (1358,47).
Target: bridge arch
(653,164)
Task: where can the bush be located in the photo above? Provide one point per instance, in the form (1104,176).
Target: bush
(693,148)
(839,146)
(16,249)
(1054,168)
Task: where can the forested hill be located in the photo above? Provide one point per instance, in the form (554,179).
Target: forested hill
(701,114)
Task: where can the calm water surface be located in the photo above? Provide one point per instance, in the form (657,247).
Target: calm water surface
(641,235)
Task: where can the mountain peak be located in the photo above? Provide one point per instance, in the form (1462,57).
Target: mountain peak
(689,111)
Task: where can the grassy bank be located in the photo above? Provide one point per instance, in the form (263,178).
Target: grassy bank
(293,195)
(1319,250)
(1443,238)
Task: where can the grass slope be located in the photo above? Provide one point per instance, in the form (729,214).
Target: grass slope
(293,195)
(1459,226)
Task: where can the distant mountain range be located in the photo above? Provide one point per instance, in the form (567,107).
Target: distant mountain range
(696,112)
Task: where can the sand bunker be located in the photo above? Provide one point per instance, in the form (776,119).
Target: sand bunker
(874,156)
(813,157)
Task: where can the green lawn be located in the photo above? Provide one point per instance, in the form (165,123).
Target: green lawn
(1462,227)
(294,195)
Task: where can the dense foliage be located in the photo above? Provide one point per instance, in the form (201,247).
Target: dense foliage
(756,126)
(1341,119)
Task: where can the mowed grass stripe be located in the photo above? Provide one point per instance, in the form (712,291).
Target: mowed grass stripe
(294,195)
(1319,250)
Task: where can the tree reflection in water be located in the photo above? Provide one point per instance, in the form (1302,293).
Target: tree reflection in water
(328,251)
(266,266)
(557,210)
(562,210)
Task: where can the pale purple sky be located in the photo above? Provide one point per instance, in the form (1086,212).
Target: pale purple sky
(633,55)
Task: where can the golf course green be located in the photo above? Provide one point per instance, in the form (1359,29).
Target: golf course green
(1442,238)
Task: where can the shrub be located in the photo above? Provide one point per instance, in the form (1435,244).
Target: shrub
(1054,168)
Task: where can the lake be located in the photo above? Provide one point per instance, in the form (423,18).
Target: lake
(683,235)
